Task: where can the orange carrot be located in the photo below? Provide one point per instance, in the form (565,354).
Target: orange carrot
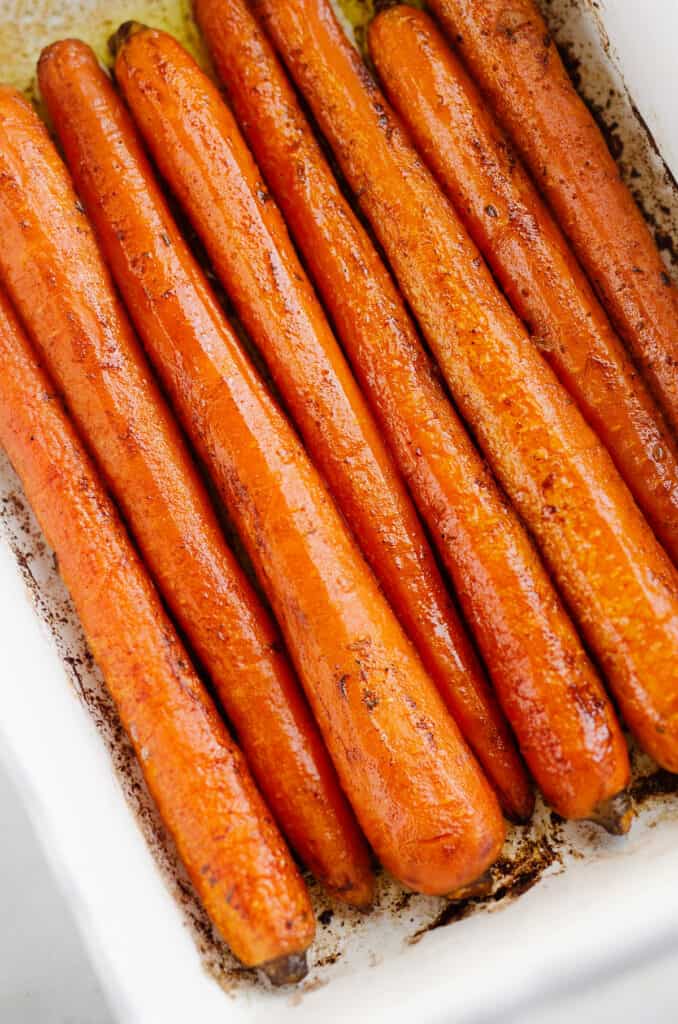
(198,147)
(506,218)
(616,579)
(509,51)
(225,837)
(358,294)
(58,280)
(519,625)
(419,794)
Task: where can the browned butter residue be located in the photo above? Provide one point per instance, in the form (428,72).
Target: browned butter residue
(26,26)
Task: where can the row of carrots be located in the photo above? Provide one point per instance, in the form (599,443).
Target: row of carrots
(427,415)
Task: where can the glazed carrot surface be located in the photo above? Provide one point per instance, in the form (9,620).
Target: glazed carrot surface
(58,279)
(501,209)
(557,706)
(224,834)
(241,646)
(513,58)
(419,794)
(373,326)
(616,579)
(198,147)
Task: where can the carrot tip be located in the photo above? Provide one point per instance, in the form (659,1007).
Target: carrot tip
(286,970)
(614,815)
(384,5)
(476,890)
(358,893)
(519,812)
(120,37)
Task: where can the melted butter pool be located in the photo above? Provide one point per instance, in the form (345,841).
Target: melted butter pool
(26,26)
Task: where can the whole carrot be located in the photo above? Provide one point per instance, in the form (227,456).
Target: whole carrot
(418,793)
(617,580)
(225,837)
(369,319)
(506,218)
(521,630)
(509,51)
(197,145)
(58,280)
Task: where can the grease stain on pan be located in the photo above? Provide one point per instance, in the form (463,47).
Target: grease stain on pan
(347,940)
(26,26)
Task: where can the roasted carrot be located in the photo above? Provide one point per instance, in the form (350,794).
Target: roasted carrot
(198,147)
(369,318)
(252,677)
(58,280)
(509,51)
(617,580)
(224,834)
(501,209)
(520,628)
(418,792)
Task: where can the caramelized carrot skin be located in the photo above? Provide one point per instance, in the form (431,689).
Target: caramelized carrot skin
(506,218)
(233,852)
(423,803)
(510,53)
(151,265)
(198,147)
(372,323)
(556,704)
(618,582)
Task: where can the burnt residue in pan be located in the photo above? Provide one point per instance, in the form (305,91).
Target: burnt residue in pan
(533,855)
(346,938)
(527,856)
(658,784)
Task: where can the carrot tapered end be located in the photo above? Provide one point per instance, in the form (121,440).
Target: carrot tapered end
(479,889)
(615,815)
(286,970)
(120,37)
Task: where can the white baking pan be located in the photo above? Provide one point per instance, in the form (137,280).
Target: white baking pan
(570,903)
